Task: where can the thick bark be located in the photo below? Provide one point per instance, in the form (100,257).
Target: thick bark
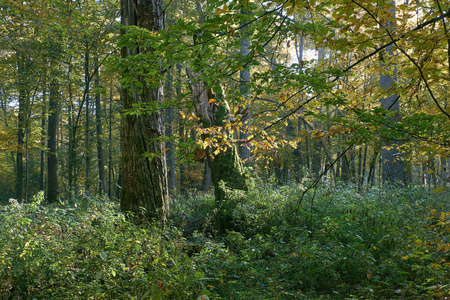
(52,160)
(144,187)
(99,130)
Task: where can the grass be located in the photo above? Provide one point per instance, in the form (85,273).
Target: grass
(388,243)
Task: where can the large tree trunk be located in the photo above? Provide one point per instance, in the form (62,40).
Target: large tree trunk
(144,182)
(227,171)
(52,160)
(392,164)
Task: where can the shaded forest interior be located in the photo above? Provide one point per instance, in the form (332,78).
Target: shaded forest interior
(180,114)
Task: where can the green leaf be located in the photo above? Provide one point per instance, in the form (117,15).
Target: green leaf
(205,292)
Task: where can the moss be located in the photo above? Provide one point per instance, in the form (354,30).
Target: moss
(221,114)
(228,173)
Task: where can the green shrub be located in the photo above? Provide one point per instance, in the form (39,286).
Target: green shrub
(60,252)
(388,243)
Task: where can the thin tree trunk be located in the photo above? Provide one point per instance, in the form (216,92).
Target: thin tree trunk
(307,150)
(43,135)
(21,127)
(244,77)
(72,130)
(170,145)
(363,169)
(27,136)
(183,169)
(206,185)
(181,134)
(372,166)
(99,127)
(299,51)
(110,144)
(120,175)
(316,153)
(300,150)
(87,147)
(52,160)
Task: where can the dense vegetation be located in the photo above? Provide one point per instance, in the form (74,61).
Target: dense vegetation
(212,149)
(383,244)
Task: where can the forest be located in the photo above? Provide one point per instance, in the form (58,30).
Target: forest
(211,149)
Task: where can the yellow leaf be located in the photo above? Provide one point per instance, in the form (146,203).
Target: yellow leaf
(440,189)
(291,10)
(221,11)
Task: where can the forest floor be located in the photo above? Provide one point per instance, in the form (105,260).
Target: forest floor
(334,243)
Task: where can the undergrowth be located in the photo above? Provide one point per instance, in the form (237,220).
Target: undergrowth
(388,243)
